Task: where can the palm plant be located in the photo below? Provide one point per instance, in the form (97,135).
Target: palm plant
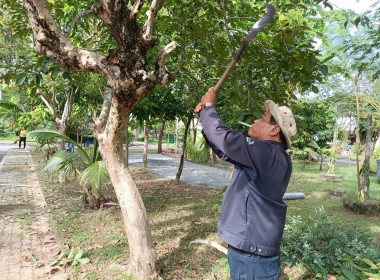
(86,163)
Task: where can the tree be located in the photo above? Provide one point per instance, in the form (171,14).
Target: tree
(130,80)
(355,65)
(315,125)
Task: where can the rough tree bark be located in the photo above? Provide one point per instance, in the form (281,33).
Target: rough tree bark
(129,82)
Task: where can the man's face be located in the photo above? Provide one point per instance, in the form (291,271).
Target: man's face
(260,127)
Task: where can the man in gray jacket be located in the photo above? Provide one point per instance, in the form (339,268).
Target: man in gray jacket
(253,213)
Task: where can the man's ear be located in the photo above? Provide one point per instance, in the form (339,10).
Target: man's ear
(275,130)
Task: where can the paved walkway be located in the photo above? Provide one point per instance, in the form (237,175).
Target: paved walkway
(193,174)
(27,242)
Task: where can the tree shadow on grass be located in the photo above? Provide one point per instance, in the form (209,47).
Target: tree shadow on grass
(179,214)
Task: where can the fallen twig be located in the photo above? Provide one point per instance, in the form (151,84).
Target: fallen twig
(211,243)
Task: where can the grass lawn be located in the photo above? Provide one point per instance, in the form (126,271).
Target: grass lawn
(178,214)
(330,194)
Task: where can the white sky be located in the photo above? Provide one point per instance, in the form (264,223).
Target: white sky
(357,6)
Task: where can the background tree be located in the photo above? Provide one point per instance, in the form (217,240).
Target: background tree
(315,125)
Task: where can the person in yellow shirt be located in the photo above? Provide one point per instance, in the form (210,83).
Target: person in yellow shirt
(22,137)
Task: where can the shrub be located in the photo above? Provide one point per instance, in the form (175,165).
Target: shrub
(322,246)
(199,153)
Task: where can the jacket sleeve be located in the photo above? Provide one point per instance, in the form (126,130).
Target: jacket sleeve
(226,143)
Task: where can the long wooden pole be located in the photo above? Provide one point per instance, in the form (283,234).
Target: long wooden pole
(257,27)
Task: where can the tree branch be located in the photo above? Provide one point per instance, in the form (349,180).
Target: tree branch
(101,121)
(52,43)
(163,77)
(48,103)
(226,24)
(76,18)
(160,63)
(151,13)
(69,102)
(136,9)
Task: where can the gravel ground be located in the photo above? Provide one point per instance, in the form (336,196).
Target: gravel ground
(193,174)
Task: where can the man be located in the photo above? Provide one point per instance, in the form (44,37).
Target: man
(22,137)
(253,213)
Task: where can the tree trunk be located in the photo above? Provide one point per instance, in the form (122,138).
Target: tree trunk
(214,159)
(160,136)
(361,196)
(320,162)
(333,153)
(195,131)
(137,132)
(177,133)
(367,154)
(140,243)
(145,152)
(180,168)
(130,82)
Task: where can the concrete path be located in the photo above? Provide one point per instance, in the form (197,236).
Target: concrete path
(194,174)
(27,242)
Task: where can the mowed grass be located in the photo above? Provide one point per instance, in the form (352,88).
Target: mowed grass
(330,195)
(179,214)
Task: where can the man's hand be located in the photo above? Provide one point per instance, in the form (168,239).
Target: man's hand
(209,97)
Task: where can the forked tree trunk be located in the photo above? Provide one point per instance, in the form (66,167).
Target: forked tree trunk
(130,82)
(160,136)
(61,123)
(180,168)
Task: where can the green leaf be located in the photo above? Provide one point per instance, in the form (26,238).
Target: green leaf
(325,70)
(84,260)
(38,79)
(79,254)
(314,89)
(357,21)
(349,274)
(21,81)
(71,254)
(67,76)
(55,73)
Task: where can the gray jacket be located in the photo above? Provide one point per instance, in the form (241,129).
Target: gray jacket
(253,213)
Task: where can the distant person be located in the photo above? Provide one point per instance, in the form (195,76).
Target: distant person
(22,137)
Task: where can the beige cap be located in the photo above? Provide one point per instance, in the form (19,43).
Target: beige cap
(284,118)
